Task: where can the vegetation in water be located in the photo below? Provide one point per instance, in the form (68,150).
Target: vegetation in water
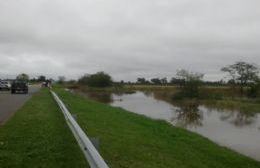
(241,92)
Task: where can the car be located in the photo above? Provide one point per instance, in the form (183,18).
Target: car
(5,85)
(19,86)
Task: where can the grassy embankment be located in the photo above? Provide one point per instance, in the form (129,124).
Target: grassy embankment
(131,140)
(37,136)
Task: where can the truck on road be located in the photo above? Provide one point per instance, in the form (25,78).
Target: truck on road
(19,86)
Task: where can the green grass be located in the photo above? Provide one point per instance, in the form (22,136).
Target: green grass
(37,136)
(131,140)
(239,105)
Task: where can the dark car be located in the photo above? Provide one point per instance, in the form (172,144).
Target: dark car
(19,86)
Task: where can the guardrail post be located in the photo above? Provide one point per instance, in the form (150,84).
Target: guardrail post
(91,154)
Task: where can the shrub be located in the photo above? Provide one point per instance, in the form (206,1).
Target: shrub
(253,90)
(99,79)
(190,88)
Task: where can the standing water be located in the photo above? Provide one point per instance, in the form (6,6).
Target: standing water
(236,130)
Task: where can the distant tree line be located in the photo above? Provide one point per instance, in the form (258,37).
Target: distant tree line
(240,74)
(172,81)
(40,79)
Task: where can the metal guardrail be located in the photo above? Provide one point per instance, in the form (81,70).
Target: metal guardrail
(91,154)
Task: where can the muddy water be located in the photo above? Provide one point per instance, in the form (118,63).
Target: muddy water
(236,130)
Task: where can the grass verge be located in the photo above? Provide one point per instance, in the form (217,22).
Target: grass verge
(37,136)
(131,140)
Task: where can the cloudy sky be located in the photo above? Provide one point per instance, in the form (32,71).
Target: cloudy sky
(127,38)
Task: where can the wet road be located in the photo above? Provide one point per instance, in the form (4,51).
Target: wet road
(9,103)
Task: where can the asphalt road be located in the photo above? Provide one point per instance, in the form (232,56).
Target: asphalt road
(9,103)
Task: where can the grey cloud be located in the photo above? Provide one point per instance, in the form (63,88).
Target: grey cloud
(128,39)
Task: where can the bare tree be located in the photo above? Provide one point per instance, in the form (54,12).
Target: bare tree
(242,73)
(191,83)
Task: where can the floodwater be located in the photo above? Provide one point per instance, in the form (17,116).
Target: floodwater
(233,129)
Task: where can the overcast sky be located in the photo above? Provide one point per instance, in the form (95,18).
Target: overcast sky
(127,38)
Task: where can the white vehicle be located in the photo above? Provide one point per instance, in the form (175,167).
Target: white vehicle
(5,85)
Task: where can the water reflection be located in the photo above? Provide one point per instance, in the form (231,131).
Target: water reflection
(103,97)
(190,110)
(234,129)
(148,93)
(188,115)
(236,117)
(239,119)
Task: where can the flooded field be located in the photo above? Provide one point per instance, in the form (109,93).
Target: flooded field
(236,130)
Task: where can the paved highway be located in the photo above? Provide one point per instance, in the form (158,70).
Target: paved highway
(9,103)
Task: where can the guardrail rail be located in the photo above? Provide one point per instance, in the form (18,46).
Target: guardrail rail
(91,154)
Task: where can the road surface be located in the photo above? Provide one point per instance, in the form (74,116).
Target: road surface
(9,103)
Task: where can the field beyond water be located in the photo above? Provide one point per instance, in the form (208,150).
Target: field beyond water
(220,97)
(37,136)
(131,140)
